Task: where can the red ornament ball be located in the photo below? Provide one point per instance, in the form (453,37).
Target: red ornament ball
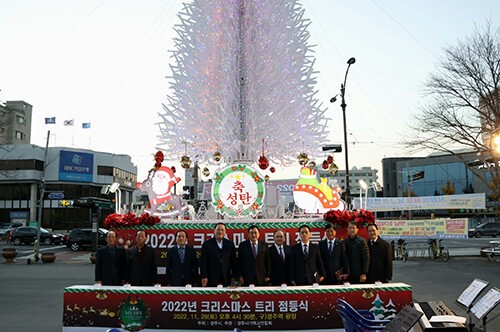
(325,164)
(272,169)
(173,169)
(330,159)
(263,162)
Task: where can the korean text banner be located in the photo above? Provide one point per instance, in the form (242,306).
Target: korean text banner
(423,229)
(76,166)
(260,308)
(466,201)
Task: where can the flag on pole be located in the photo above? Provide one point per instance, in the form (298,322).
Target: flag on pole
(68,122)
(50,120)
(86,125)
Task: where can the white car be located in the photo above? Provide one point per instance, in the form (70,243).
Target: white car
(7,227)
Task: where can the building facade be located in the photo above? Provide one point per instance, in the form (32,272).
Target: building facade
(15,122)
(70,174)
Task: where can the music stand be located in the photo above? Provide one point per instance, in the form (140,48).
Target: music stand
(404,320)
(469,295)
(485,304)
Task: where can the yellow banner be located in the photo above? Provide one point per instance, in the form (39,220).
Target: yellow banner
(423,229)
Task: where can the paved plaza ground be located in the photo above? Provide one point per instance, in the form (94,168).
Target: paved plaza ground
(32,295)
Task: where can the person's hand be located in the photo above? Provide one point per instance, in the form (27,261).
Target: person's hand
(293,283)
(267,279)
(99,283)
(321,279)
(362,278)
(242,280)
(204,282)
(344,276)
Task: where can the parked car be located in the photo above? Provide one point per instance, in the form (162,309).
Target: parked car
(27,234)
(9,226)
(80,238)
(486,229)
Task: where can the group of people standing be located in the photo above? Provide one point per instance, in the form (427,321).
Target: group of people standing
(331,262)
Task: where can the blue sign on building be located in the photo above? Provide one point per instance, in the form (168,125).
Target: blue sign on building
(18,215)
(76,166)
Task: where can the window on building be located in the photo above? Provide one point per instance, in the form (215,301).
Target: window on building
(19,135)
(19,119)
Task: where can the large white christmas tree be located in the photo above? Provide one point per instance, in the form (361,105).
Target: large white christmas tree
(243,72)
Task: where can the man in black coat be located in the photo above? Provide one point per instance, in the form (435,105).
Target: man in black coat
(279,259)
(141,262)
(182,264)
(357,253)
(306,266)
(111,263)
(253,259)
(218,263)
(380,257)
(334,258)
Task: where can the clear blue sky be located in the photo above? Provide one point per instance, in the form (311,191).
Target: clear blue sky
(105,62)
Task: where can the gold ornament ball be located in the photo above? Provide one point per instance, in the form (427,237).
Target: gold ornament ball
(206,172)
(303,158)
(217,156)
(185,162)
(311,164)
(266,177)
(333,168)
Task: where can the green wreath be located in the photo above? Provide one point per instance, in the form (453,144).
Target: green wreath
(223,209)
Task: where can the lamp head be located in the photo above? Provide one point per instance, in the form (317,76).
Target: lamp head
(363,184)
(334,99)
(351,61)
(114,187)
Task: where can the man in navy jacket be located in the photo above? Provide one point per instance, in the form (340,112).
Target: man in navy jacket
(254,259)
(218,263)
(306,266)
(334,258)
(111,263)
(182,264)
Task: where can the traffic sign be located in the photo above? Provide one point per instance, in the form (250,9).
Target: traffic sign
(56,195)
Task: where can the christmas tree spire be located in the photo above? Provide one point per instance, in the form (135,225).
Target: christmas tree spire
(242,72)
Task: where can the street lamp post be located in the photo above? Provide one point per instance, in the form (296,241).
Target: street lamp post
(343,105)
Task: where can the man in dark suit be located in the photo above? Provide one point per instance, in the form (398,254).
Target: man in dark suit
(253,259)
(218,263)
(182,264)
(279,259)
(141,262)
(306,266)
(380,257)
(357,253)
(111,263)
(334,258)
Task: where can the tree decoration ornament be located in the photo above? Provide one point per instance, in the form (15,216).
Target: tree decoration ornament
(206,172)
(272,169)
(221,44)
(325,164)
(303,158)
(158,159)
(266,177)
(217,156)
(263,162)
(311,164)
(329,159)
(333,169)
(185,162)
